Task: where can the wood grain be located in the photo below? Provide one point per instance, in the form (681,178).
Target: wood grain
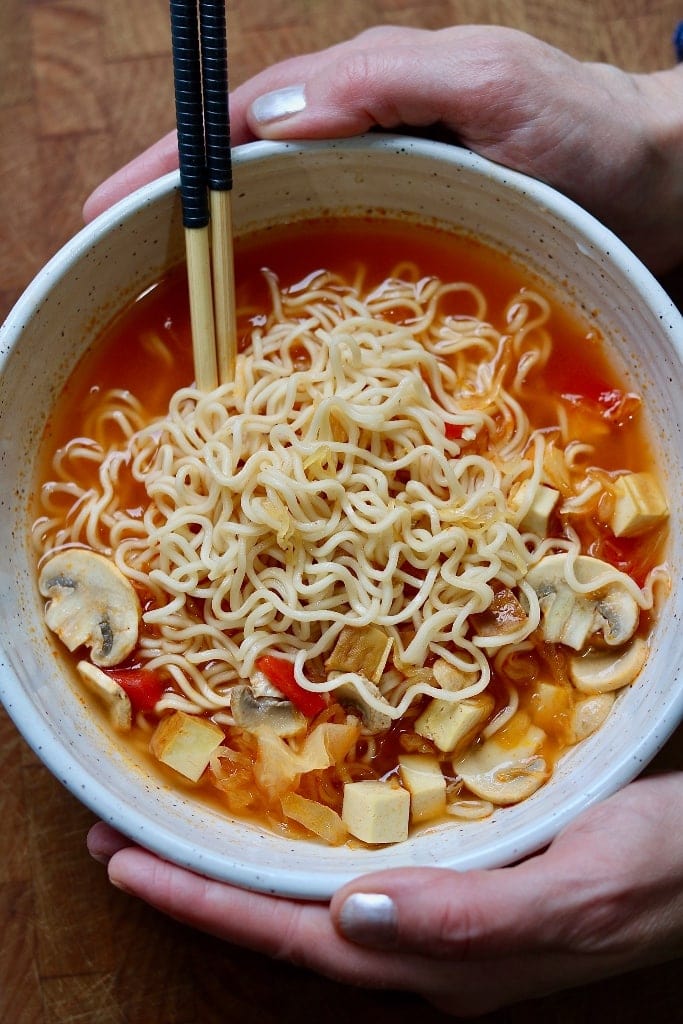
(84,86)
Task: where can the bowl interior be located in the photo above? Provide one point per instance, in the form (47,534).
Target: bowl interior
(128,248)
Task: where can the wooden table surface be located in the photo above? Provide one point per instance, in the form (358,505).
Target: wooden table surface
(84,85)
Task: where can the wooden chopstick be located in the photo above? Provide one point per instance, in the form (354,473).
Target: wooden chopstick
(205,161)
(214,48)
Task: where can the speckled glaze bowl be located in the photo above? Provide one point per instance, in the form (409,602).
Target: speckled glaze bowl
(109,262)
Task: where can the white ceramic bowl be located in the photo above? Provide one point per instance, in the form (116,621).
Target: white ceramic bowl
(108,263)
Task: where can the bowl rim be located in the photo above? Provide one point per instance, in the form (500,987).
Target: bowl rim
(63,764)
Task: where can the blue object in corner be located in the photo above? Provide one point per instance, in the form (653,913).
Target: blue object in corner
(678,41)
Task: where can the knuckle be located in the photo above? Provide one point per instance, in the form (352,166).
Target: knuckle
(455,928)
(361,83)
(381,34)
(287,943)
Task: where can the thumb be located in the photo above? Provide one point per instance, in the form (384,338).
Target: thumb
(447,914)
(384,78)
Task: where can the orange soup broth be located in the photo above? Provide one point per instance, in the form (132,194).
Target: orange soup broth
(579,368)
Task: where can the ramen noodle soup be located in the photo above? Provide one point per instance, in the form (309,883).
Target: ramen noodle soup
(387,575)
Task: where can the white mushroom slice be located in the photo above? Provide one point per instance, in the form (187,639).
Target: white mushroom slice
(604,671)
(571,618)
(505,774)
(374,721)
(589,714)
(114,696)
(261,685)
(91,603)
(258,713)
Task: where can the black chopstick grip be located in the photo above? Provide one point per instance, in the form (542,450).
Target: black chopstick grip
(214,46)
(187,81)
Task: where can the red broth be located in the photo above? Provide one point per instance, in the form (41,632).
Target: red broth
(579,373)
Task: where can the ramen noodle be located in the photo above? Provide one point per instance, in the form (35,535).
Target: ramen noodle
(391,571)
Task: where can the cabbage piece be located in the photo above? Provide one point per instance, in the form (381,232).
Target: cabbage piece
(279,764)
(316,817)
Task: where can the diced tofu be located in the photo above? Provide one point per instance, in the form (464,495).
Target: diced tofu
(639,505)
(552,705)
(376,812)
(424,780)
(517,739)
(186,743)
(447,723)
(449,677)
(537,516)
(364,650)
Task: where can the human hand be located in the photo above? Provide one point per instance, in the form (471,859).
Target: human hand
(612,141)
(607,895)
(604,898)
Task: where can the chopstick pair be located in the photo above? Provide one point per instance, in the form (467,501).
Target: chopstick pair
(200,73)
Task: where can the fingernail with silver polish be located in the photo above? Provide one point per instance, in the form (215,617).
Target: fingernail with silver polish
(369,918)
(279,105)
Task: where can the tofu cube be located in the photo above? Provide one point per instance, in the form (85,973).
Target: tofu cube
(552,706)
(422,776)
(639,505)
(364,650)
(447,723)
(536,518)
(376,812)
(186,743)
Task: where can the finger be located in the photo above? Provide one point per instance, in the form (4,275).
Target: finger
(451,915)
(300,932)
(162,156)
(348,89)
(103,842)
(385,79)
(595,890)
(300,69)
(153,163)
(304,934)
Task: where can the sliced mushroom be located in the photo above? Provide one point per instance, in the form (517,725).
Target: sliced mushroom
(589,714)
(604,671)
(256,714)
(261,685)
(114,696)
(502,773)
(91,603)
(374,721)
(571,618)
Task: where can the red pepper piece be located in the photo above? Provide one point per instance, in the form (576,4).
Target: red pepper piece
(453,431)
(281,674)
(144,687)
